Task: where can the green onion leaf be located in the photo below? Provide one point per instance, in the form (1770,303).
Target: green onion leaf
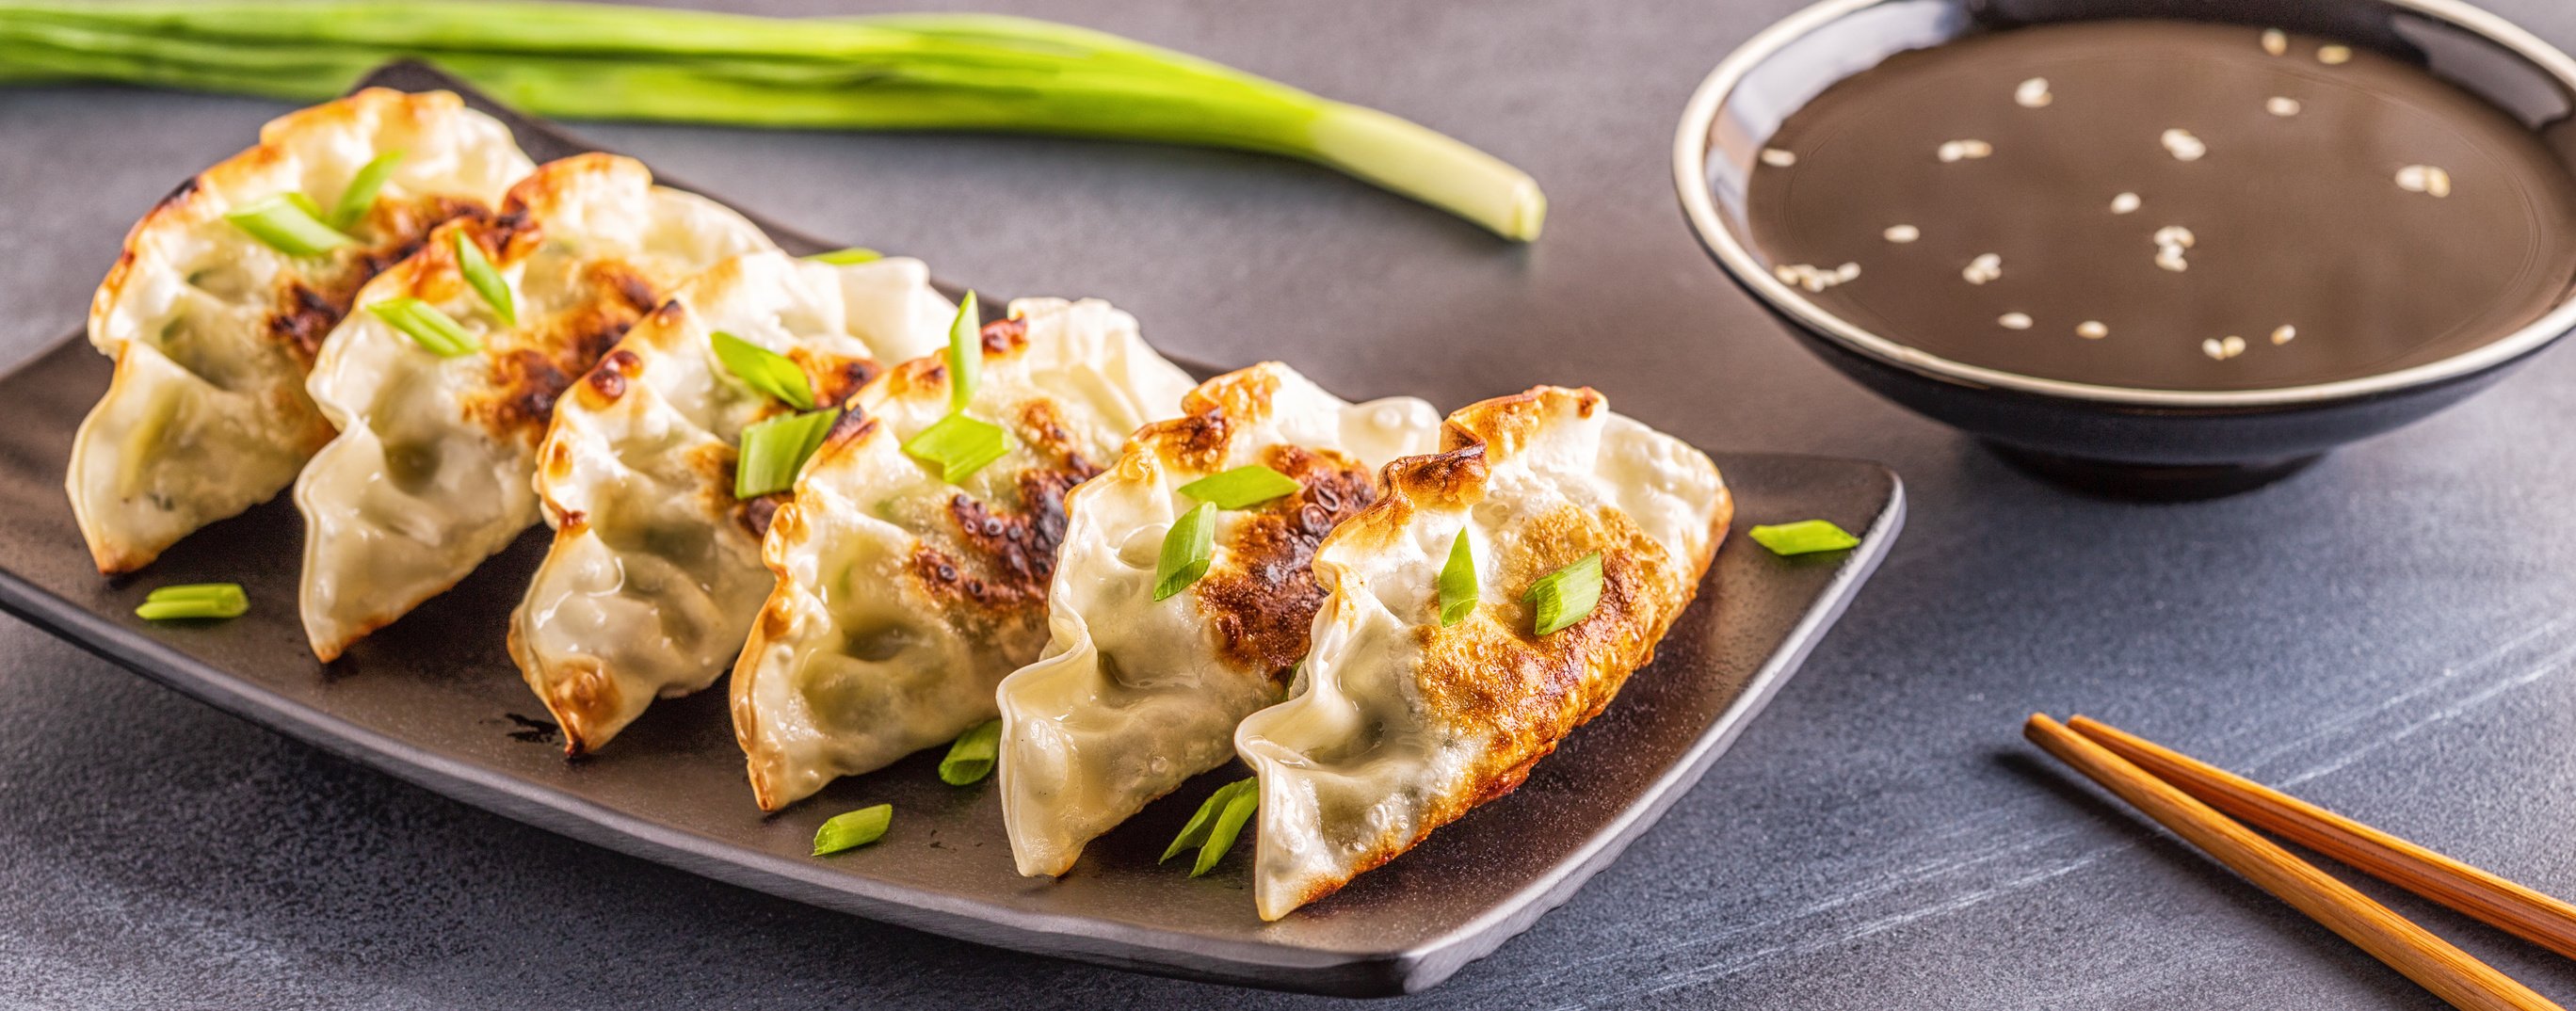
(764,370)
(1803,537)
(971,758)
(1229,824)
(362,190)
(1566,595)
(486,281)
(194,600)
(435,330)
(1248,485)
(773,452)
(1458,583)
(853,829)
(847,257)
(965,353)
(959,446)
(1195,833)
(1187,549)
(290,224)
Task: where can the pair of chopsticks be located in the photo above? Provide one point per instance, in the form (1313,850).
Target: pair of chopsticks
(2188,796)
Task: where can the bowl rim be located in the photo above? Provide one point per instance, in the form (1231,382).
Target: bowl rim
(1690,174)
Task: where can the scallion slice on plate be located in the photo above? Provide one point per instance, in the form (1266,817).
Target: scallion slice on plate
(435,330)
(1188,547)
(1566,595)
(853,829)
(848,257)
(965,354)
(764,370)
(1458,583)
(959,446)
(289,225)
(1803,537)
(773,451)
(1242,487)
(486,281)
(971,758)
(194,600)
(1219,820)
(362,190)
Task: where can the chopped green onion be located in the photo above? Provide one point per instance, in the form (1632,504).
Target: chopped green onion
(486,281)
(1243,486)
(435,330)
(971,758)
(848,257)
(289,224)
(965,353)
(361,192)
(1187,549)
(1802,537)
(852,829)
(764,370)
(194,600)
(1566,595)
(1229,824)
(773,452)
(959,446)
(1458,582)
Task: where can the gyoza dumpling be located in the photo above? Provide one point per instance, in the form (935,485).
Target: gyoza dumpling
(1135,695)
(904,598)
(655,571)
(1400,724)
(430,473)
(213,329)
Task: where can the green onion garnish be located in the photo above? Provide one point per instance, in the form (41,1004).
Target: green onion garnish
(289,224)
(1566,595)
(959,446)
(194,600)
(774,450)
(764,370)
(1187,549)
(486,281)
(1219,820)
(1248,485)
(435,330)
(965,353)
(971,758)
(362,190)
(1458,582)
(853,829)
(846,257)
(1803,537)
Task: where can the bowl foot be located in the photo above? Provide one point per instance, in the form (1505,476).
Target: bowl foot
(2149,482)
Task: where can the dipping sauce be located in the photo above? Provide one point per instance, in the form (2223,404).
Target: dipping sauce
(2165,205)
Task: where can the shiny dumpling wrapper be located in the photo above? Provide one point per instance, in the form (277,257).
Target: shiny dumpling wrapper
(1399,725)
(654,575)
(431,472)
(1133,695)
(903,600)
(213,331)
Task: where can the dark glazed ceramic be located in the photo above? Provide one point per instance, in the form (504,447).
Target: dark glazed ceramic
(2119,440)
(434,699)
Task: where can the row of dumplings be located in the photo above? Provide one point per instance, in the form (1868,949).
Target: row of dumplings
(470,343)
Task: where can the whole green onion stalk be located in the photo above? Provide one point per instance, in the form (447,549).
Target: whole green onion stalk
(899,72)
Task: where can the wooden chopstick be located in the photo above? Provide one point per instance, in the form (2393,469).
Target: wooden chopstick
(2451,974)
(2522,912)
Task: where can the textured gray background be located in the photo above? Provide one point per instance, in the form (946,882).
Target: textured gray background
(2387,633)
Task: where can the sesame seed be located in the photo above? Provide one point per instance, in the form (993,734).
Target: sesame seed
(2170,258)
(2124,203)
(2426,179)
(2222,349)
(1813,278)
(2235,345)
(2182,145)
(2175,235)
(2014,321)
(1901,234)
(2276,41)
(2284,334)
(1955,150)
(2092,330)
(2332,55)
(1777,158)
(1984,268)
(2281,106)
(1846,272)
(1787,274)
(2033,93)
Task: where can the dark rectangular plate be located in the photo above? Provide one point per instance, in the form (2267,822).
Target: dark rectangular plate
(435,700)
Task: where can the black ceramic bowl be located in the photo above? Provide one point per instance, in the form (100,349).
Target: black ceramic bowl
(2148,442)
